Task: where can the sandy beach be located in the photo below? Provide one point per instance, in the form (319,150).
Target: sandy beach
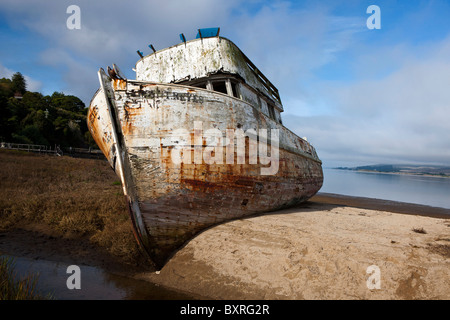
(320,250)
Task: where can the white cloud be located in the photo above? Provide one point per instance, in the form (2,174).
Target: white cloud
(392,105)
(111,32)
(289,43)
(400,117)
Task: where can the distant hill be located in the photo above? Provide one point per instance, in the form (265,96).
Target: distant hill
(443,171)
(32,118)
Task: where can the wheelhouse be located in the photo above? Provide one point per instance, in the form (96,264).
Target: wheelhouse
(213,63)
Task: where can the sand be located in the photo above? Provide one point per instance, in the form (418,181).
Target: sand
(320,250)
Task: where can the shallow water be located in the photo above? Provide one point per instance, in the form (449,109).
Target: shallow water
(425,190)
(96,284)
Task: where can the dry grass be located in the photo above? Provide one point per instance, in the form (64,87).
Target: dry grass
(73,197)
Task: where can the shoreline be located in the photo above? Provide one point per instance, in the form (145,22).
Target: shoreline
(317,250)
(381,204)
(398,173)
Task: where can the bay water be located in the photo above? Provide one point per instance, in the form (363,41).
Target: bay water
(95,283)
(418,189)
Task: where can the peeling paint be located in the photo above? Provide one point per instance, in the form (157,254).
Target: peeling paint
(199,58)
(171,202)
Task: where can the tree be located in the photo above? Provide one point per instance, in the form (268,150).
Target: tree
(6,88)
(57,119)
(19,85)
(30,134)
(34,100)
(4,116)
(70,103)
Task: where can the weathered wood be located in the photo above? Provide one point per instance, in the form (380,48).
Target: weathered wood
(185,161)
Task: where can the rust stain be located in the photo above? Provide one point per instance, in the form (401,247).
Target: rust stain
(119,84)
(130,115)
(96,131)
(177,200)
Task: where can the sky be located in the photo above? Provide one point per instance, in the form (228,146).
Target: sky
(361,96)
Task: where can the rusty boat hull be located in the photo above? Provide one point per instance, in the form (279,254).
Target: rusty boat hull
(133,122)
(170,203)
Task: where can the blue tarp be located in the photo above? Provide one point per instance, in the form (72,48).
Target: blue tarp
(208,32)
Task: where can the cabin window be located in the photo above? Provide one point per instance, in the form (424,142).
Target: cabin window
(219,86)
(226,86)
(200,85)
(274,113)
(234,89)
(271,111)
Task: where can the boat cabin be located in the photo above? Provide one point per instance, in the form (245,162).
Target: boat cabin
(213,63)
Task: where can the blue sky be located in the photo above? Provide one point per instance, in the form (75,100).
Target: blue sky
(360,96)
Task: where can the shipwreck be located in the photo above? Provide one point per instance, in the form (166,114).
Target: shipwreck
(197,139)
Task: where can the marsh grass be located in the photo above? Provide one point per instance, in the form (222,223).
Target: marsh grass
(13,287)
(71,197)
